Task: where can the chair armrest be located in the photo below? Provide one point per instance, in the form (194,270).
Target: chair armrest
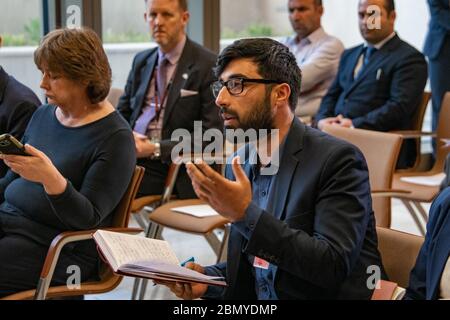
(414,134)
(388,193)
(56,247)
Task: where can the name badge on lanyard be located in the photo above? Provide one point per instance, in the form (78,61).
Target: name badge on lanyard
(261,263)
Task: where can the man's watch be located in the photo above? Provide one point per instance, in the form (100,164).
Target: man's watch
(157,152)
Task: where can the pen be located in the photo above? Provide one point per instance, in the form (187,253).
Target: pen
(191,259)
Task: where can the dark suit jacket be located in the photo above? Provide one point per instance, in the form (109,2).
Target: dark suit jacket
(194,73)
(386,94)
(321,233)
(17,105)
(425,278)
(439,27)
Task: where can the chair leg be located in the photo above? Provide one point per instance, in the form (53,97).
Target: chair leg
(414,216)
(421,210)
(144,283)
(136,284)
(140,220)
(222,256)
(151,230)
(213,242)
(158,234)
(42,288)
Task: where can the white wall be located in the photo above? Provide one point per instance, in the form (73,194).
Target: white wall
(18,61)
(341,20)
(15,14)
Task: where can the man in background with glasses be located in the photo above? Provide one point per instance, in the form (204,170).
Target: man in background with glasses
(168,88)
(307,231)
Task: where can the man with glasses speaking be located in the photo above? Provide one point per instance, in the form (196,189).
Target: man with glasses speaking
(168,88)
(303,230)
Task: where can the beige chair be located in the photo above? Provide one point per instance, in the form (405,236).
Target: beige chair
(114,96)
(399,251)
(381,152)
(420,193)
(108,280)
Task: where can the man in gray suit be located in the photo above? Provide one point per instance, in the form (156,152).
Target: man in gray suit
(168,88)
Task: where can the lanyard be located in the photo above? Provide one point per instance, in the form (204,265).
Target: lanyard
(160,106)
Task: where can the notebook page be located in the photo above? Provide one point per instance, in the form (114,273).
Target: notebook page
(127,248)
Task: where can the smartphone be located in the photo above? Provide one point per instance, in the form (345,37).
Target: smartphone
(10,145)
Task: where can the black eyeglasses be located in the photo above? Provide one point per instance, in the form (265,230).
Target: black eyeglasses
(235,86)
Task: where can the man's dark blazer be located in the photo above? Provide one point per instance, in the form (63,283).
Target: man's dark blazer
(439,28)
(17,105)
(194,73)
(321,232)
(386,94)
(425,278)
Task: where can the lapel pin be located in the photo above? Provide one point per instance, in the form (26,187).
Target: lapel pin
(185,76)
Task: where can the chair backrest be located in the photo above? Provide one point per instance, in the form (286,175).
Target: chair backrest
(418,117)
(442,132)
(399,251)
(381,151)
(114,96)
(417,124)
(123,210)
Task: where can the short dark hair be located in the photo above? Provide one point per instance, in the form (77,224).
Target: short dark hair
(77,54)
(274,61)
(183,4)
(389,5)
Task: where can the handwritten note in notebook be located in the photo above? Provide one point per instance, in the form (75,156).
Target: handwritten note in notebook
(200,211)
(137,256)
(123,248)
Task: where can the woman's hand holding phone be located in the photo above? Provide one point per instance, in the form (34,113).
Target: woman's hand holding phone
(37,167)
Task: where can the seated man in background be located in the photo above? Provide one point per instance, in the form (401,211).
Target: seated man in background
(380,83)
(300,205)
(17,105)
(168,88)
(317,54)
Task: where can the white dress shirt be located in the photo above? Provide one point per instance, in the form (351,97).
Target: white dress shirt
(377,46)
(318,57)
(445,282)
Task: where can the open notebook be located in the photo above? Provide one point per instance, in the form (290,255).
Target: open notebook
(141,257)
